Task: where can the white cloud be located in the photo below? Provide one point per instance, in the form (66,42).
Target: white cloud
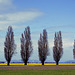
(5,1)
(22,16)
(6,4)
(4,27)
(67,43)
(17,17)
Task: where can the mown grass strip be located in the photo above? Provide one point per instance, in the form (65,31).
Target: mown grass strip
(37,72)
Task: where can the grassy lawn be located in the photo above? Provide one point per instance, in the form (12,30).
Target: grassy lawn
(37,72)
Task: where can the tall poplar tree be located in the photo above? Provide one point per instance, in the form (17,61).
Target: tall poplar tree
(57,49)
(43,48)
(9,44)
(26,45)
(74,50)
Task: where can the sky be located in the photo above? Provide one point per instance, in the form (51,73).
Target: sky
(52,15)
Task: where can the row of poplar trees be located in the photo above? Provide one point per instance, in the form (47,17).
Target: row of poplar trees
(26,46)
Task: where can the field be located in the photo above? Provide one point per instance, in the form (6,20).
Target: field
(37,69)
(38,64)
(37,72)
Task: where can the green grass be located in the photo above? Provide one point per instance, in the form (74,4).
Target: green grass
(37,72)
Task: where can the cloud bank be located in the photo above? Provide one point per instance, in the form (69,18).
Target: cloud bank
(6,4)
(18,17)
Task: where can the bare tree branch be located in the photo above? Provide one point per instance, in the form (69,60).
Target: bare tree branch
(10,46)
(26,45)
(57,49)
(43,47)
(74,50)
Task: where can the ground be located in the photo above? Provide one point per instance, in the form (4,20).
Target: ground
(38,70)
(28,67)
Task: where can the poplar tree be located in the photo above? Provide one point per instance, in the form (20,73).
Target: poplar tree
(9,44)
(74,50)
(43,49)
(26,45)
(57,49)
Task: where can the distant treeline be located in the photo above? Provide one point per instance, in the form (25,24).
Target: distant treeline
(27,48)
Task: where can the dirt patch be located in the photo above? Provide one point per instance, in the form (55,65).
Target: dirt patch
(35,67)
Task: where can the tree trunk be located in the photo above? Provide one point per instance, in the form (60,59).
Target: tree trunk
(57,62)
(8,63)
(25,63)
(42,62)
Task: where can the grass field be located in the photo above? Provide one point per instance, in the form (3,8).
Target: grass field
(37,72)
(38,63)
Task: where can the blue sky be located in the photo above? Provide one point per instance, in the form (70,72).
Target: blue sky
(52,15)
